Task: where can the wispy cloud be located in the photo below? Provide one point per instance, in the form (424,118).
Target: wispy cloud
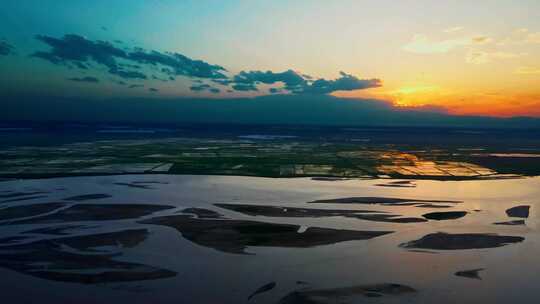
(482,57)
(533,38)
(453,29)
(481,40)
(421,44)
(480,49)
(526,70)
(521,36)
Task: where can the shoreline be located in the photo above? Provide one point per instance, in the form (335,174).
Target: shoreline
(30,176)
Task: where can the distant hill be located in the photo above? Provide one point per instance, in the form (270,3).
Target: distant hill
(276,109)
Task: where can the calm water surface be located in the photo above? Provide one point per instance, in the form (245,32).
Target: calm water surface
(136,260)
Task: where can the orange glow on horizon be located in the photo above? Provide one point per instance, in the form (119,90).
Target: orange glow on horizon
(426,96)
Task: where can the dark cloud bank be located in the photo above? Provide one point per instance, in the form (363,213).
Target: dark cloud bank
(84,79)
(78,52)
(6,48)
(272,109)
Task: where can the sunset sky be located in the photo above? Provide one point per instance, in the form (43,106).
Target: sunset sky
(465,57)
